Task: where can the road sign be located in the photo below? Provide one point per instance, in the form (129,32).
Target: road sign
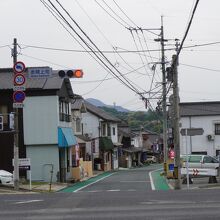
(23,163)
(18,96)
(191,131)
(19,79)
(19,88)
(18,105)
(195,172)
(39,72)
(19,67)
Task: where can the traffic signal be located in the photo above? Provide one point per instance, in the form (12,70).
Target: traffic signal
(77,73)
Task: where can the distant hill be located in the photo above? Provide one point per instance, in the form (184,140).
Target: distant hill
(99,103)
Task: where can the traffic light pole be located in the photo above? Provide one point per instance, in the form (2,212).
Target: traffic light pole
(16,138)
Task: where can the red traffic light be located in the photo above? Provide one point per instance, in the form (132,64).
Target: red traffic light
(78,73)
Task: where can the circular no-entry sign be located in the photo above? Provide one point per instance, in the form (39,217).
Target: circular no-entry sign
(19,67)
(19,79)
(19,96)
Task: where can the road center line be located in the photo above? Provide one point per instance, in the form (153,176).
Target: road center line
(28,201)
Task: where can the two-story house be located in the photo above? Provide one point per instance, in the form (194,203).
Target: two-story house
(205,115)
(45,132)
(101,131)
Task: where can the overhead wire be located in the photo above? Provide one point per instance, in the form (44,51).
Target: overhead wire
(128,25)
(128,84)
(110,14)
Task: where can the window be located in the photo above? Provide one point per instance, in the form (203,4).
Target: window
(64,111)
(78,125)
(113,130)
(217,129)
(109,131)
(103,129)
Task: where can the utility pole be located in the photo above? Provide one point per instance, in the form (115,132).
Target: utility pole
(16,140)
(164,103)
(176,101)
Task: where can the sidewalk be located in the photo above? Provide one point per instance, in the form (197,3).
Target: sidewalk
(44,187)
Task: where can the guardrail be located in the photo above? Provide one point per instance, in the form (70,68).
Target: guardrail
(194,172)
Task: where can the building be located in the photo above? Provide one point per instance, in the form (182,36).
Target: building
(205,115)
(45,132)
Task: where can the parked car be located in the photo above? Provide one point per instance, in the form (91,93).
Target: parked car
(200,161)
(217,158)
(151,159)
(6,178)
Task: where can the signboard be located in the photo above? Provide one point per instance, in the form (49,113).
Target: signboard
(39,72)
(191,131)
(19,67)
(23,163)
(19,79)
(18,105)
(171,167)
(18,96)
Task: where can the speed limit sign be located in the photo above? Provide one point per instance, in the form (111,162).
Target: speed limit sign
(19,79)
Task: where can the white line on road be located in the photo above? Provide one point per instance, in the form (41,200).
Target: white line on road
(151,179)
(137,181)
(29,201)
(92,183)
(113,190)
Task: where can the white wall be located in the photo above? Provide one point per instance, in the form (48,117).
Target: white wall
(90,124)
(40,162)
(200,142)
(41,116)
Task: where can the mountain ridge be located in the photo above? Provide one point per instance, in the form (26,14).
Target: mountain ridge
(99,103)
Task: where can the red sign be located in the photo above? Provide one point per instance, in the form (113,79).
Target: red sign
(19,79)
(19,96)
(19,67)
(171,154)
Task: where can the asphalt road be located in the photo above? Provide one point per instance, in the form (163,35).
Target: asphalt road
(123,195)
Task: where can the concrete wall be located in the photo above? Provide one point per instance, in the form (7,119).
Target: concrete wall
(41,120)
(41,157)
(200,143)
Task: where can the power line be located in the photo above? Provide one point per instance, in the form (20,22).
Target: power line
(122,50)
(110,14)
(129,85)
(187,30)
(115,13)
(124,13)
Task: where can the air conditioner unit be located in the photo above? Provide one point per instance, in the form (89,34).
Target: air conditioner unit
(210,137)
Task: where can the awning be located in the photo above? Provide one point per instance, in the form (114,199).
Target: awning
(105,144)
(66,137)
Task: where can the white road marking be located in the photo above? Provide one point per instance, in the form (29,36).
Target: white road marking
(137,181)
(29,201)
(92,183)
(113,190)
(151,179)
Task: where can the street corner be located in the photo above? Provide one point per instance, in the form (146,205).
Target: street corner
(158,180)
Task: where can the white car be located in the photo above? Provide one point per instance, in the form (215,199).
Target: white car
(6,178)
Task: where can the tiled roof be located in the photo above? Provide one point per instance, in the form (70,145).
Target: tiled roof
(100,113)
(199,108)
(51,83)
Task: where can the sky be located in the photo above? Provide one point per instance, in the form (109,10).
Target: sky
(134,54)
